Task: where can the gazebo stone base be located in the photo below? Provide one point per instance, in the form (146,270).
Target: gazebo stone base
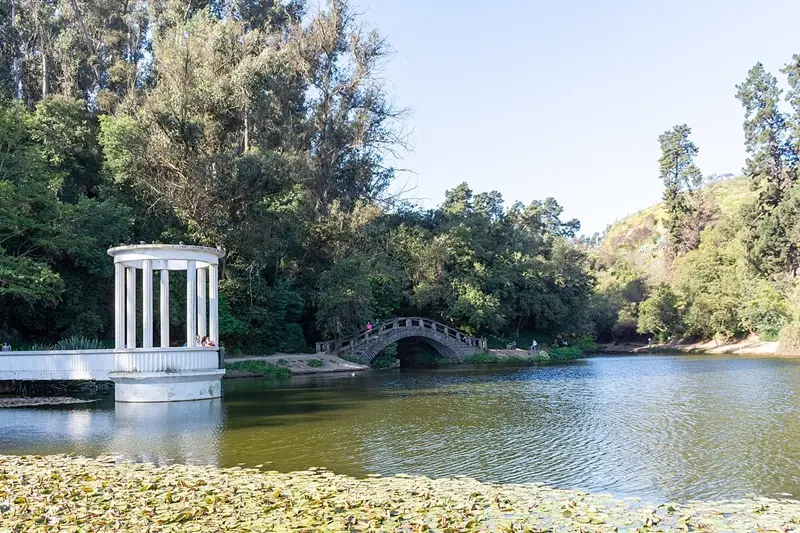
(180,386)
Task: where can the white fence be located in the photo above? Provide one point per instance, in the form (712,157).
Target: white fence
(96,364)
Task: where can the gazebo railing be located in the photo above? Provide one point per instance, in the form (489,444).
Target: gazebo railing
(96,364)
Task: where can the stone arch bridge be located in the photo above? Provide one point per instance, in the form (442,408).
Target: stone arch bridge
(365,346)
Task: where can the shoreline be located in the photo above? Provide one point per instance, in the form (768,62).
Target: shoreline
(8,402)
(64,492)
(750,347)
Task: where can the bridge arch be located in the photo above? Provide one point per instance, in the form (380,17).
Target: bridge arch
(448,342)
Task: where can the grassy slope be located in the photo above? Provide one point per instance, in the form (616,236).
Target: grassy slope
(641,238)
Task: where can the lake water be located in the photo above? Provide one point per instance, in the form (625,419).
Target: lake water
(664,428)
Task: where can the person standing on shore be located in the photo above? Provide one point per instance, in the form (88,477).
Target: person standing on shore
(534,346)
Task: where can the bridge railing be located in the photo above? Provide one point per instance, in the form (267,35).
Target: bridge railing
(406,322)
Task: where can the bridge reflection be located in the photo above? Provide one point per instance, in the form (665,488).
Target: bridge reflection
(160,433)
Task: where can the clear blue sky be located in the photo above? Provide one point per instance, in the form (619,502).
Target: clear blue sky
(567,98)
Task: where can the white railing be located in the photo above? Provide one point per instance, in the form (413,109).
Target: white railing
(96,364)
(400,323)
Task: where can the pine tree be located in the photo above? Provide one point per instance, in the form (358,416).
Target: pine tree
(681,177)
(771,167)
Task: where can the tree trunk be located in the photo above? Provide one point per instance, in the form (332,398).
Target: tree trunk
(16,66)
(44,72)
(246,132)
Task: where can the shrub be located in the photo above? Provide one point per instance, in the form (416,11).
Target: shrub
(266,370)
(79,343)
(585,343)
(770,335)
(789,343)
(659,314)
(315,363)
(383,361)
(489,358)
(39,347)
(566,353)
(765,311)
(481,359)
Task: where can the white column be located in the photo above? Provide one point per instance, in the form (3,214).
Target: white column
(201,302)
(213,304)
(191,303)
(147,303)
(164,314)
(130,312)
(119,306)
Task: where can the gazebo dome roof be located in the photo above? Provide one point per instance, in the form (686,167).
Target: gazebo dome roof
(166,256)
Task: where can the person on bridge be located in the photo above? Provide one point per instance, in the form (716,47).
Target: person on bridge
(6,347)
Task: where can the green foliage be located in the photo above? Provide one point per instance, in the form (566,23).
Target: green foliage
(680,176)
(263,131)
(585,343)
(711,280)
(765,310)
(789,343)
(524,339)
(259,318)
(481,359)
(230,326)
(565,353)
(265,369)
(81,343)
(315,363)
(659,314)
(38,347)
(491,359)
(386,359)
(770,237)
(344,297)
(29,214)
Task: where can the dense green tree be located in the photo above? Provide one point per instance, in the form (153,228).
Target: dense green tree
(711,282)
(771,167)
(344,300)
(29,215)
(261,127)
(46,244)
(659,313)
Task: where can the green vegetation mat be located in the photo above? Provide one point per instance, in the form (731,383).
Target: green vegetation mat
(67,493)
(267,370)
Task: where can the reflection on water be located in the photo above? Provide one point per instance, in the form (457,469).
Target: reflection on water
(184,432)
(665,428)
(160,433)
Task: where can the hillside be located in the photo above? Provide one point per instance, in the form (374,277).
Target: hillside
(641,239)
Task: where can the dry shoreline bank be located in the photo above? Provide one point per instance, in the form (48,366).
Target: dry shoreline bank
(751,347)
(66,493)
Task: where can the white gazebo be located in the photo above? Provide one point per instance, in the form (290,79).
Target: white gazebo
(142,372)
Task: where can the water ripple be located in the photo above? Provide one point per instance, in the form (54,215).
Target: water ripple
(665,428)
